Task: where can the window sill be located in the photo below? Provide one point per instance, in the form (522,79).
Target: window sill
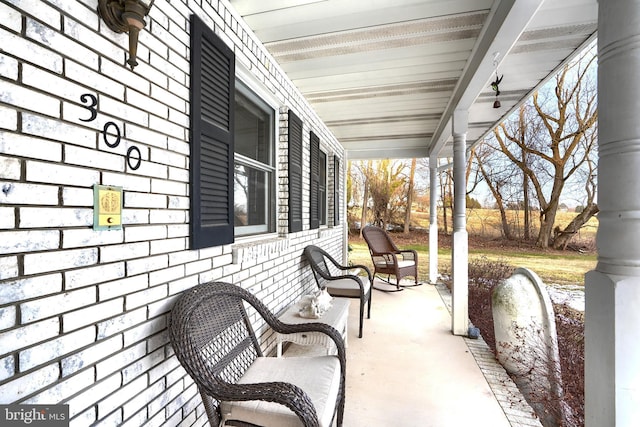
(328,231)
(257,249)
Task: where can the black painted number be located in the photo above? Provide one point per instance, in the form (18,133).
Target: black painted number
(134,157)
(90,99)
(111,134)
(105,133)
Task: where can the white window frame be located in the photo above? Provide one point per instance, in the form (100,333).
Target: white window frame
(252,83)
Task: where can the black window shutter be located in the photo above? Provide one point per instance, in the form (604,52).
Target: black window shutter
(336,190)
(295,173)
(315,181)
(211,163)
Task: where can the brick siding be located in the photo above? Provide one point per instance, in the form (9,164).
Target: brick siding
(84,313)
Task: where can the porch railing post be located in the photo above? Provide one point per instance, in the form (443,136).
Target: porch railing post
(612,317)
(460,248)
(433,219)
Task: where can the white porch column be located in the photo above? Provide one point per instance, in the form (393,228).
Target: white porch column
(460,248)
(433,219)
(612,348)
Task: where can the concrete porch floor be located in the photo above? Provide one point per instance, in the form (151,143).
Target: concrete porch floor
(409,370)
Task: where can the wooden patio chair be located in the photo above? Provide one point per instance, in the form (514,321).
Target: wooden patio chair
(346,285)
(213,339)
(388,259)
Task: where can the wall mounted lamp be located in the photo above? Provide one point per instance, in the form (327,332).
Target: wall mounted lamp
(126,16)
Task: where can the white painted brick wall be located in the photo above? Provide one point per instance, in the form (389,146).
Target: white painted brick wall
(8,267)
(32,287)
(59,260)
(53,173)
(54,217)
(9,167)
(141,400)
(75,238)
(28,384)
(83,313)
(168,245)
(146,264)
(31,52)
(145,297)
(55,305)
(7,317)
(53,349)
(8,117)
(89,276)
(64,389)
(28,241)
(116,288)
(7,367)
(27,146)
(145,330)
(91,395)
(91,315)
(118,361)
(27,194)
(77,196)
(120,323)
(86,358)
(26,336)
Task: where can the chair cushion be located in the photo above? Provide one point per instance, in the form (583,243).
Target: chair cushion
(319,377)
(401,264)
(347,287)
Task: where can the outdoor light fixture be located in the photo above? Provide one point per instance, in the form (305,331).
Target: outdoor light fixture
(126,16)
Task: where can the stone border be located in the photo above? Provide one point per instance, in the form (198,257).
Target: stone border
(518,411)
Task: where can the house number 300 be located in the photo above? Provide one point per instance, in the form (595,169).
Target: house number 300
(111,134)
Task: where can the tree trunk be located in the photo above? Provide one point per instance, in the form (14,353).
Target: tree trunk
(365,199)
(506,229)
(563,237)
(547,221)
(407,216)
(525,179)
(494,187)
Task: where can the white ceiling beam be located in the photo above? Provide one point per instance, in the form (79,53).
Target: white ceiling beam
(506,22)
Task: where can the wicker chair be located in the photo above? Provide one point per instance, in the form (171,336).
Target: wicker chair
(388,259)
(345,285)
(213,339)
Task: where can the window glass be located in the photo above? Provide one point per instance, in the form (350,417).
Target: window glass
(252,128)
(254,172)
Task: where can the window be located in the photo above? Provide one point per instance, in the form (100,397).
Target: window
(254,170)
(322,188)
(232,173)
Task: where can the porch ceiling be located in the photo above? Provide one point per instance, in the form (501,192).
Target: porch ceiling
(387,75)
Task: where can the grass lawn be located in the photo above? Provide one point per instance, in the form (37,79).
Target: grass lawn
(553,267)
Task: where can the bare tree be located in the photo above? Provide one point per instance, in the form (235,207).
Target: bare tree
(446,195)
(562,237)
(410,190)
(559,143)
(365,197)
(498,179)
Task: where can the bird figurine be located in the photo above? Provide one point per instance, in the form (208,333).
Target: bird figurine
(494,84)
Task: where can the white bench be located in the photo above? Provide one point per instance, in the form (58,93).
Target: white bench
(336,317)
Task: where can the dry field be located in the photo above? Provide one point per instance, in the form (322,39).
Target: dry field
(554,267)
